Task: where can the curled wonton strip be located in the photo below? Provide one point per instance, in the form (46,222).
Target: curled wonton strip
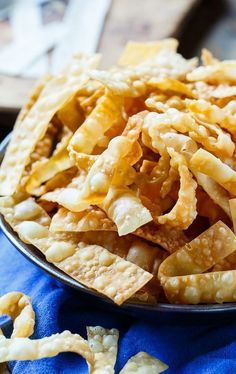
(46,170)
(184,212)
(213,114)
(217,193)
(71,115)
(106,114)
(104,345)
(131,80)
(18,306)
(125,209)
(171,85)
(26,135)
(161,103)
(143,363)
(104,169)
(212,137)
(204,162)
(70,196)
(183,274)
(219,72)
(27,349)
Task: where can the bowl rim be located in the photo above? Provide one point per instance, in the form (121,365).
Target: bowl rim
(37,258)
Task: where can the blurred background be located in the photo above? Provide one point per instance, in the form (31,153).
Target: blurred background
(40,36)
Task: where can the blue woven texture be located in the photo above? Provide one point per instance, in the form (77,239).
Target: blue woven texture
(201,348)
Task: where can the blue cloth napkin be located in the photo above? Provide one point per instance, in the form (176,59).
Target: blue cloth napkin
(194,348)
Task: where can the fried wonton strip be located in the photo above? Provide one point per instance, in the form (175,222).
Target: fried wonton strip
(217,193)
(47,169)
(103,171)
(105,272)
(18,306)
(60,180)
(32,99)
(15,211)
(91,265)
(212,113)
(168,183)
(183,276)
(104,345)
(130,81)
(220,72)
(70,196)
(169,239)
(232,205)
(204,162)
(125,209)
(91,219)
(71,115)
(212,137)
(171,85)
(25,137)
(227,263)
(143,363)
(135,53)
(28,349)
(106,113)
(184,212)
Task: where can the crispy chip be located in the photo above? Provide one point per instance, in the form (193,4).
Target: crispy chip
(217,193)
(39,86)
(128,165)
(232,204)
(204,162)
(70,196)
(219,72)
(60,180)
(135,53)
(91,219)
(171,240)
(162,127)
(46,170)
(223,91)
(143,363)
(91,265)
(104,344)
(27,349)
(171,85)
(113,274)
(131,80)
(18,307)
(102,172)
(214,114)
(106,114)
(184,212)
(71,115)
(25,137)
(183,276)
(125,209)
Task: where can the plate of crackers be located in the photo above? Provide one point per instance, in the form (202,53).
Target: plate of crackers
(122,182)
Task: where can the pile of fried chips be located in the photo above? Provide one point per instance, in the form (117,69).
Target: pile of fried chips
(99,350)
(126,179)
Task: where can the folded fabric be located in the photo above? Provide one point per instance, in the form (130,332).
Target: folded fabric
(195,348)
